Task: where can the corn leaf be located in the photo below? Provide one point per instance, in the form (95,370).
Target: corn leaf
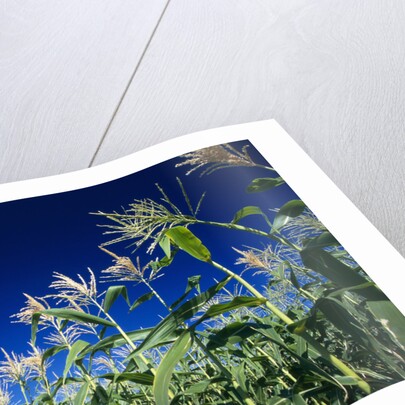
(192,282)
(307,364)
(167,365)
(297,399)
(391,319)
(167,326)
(76,348)
(237,302)
(263,184)
(69,315)
(247,211)
(139,378)
(342,275)
(294,279)
(299,327)
(73,315)
(164,243)
(289,210)
(60,382)
(232,333)
(52,351)
(279,401)
(81,395)
(41,399)
(100,396)
(165,261)
(143,298)
(112,294)
(188,242)
(323,240)
(117,340)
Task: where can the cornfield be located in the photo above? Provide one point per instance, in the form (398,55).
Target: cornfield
(318,332)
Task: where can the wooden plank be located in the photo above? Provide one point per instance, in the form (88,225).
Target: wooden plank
(330,72)
(63,67)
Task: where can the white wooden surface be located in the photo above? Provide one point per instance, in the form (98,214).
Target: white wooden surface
(63,68)
(86,82)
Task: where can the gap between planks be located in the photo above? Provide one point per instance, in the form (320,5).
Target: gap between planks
(138,64)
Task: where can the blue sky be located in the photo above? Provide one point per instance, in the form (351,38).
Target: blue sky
(56,233)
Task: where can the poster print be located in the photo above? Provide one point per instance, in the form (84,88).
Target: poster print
(202,279)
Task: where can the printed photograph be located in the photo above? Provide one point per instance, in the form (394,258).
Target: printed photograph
(201,280)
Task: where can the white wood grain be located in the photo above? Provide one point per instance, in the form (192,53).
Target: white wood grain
(330,72)
(63,68)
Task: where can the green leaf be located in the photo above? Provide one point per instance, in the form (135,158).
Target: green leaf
(279,401)
(141,300)
(139,378)
(164,243)
(43,399)
(280,272)
(237,302)
(34,326)
(117,340)
(307,364)
(301,346)
(81,395)
(167,365)
(60,382)
(323,240)
(345,318)
(52,351)
(342,275)
(297,399)
(73,315)
(247,211)
(294,279)
(346,380)
(76,348)
(391,319)
(239,374)
(339,292)
(100,396)
(233,333)
(339,316)
(165,261)
(298,327)
(63,324)
(188,242)
(167,326)
(262,184)
(201,386)
(289,210)
(102,332)
(112,294)
(68,315)
(193,281)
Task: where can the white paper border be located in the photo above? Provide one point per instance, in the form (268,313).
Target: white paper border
(384,264)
